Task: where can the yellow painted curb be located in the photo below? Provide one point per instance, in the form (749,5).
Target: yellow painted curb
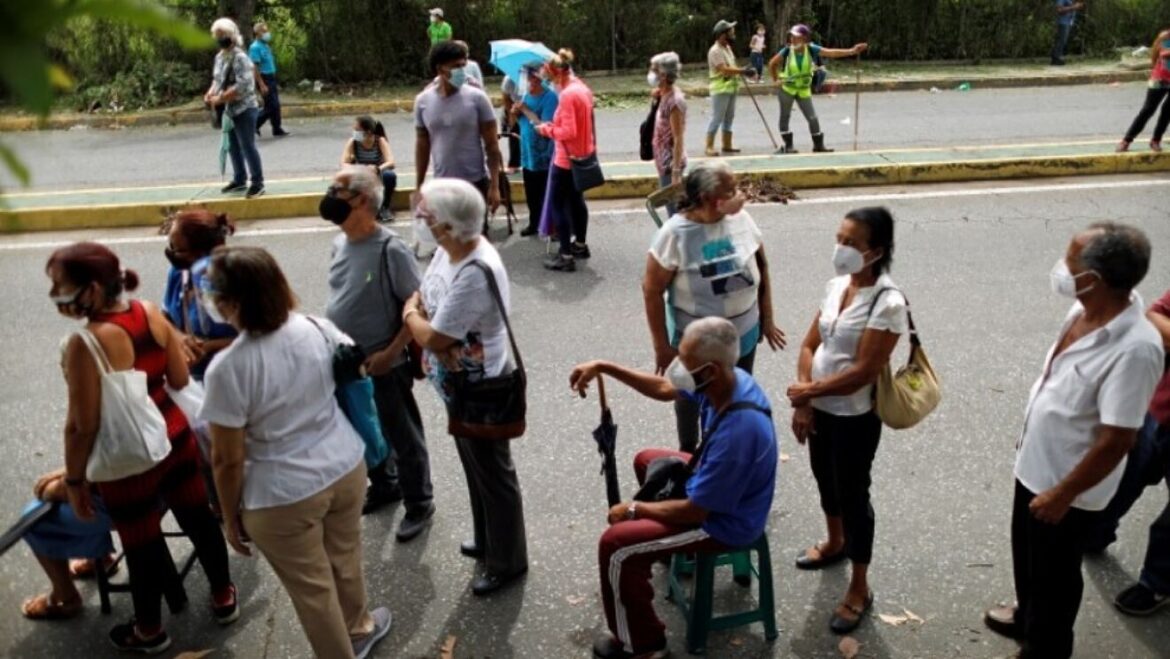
(622,187)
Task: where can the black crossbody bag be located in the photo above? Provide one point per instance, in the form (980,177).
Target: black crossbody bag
(587,172)
(489,408)
(666,478)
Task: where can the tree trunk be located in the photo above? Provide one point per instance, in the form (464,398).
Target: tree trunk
(242,12)
(778,15)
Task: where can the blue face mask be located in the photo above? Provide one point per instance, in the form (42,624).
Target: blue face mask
(266,37)
(458,77)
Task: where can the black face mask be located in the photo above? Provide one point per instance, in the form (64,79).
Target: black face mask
(334,209)
(225,42)
(178,262)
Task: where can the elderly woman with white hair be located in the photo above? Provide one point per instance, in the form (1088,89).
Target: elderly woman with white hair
(233,85)
(456,319)
(670,123)
(708,260)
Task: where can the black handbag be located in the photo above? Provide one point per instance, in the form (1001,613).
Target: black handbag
(587,172)
(666,478)
(489,408)
(646,132)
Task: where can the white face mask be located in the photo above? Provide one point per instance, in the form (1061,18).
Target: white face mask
(359,135)
(682,379)
(212,311)
(848,260)
(434,18)
(652,79)
(1064,283)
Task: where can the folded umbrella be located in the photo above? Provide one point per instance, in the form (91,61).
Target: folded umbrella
(605,435)
(512,55)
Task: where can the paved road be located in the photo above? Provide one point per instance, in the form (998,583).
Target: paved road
(975,265)
(144,156)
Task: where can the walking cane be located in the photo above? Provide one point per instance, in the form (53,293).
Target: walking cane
(856,100)
(761,112)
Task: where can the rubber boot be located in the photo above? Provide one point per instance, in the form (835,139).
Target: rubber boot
(819,143)
(727,148)
(711,152)
(789,145)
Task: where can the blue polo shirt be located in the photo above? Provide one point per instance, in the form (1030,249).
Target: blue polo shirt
(736,477)
(536,152)
(261,54)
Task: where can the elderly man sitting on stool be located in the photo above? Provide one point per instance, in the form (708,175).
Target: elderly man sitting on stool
(727,498)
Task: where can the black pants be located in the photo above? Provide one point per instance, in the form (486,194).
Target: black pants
(1046,562)
(271,105)
(686,412)
(841,453)
(568,203)
(1154,98)
(402,426)
(497,507)
(535,186)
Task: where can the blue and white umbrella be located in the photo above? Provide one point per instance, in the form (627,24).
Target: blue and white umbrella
(512,55)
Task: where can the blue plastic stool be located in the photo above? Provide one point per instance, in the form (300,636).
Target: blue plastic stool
(697,605)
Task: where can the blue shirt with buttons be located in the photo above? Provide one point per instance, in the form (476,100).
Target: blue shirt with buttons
(261,54)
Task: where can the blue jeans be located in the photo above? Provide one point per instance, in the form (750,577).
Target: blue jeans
(1148,464)
(389,183)
(758,63)
(1062,34)
(242,148)
(722,113)
(271,105)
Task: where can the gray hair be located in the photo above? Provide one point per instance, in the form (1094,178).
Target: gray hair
(258,25)
(668,63)
(715,340)
(228,28)
(457,204)
(362,180)
(1119,253)
(703,179)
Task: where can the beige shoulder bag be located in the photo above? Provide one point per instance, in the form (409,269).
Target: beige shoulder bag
(905,398)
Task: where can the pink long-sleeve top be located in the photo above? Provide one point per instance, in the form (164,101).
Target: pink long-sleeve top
(572,125)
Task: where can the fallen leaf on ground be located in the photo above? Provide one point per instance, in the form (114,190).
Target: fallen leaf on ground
(784,457)
(849,647)
(892,619)
(574,600)
(912,617)
(448,649)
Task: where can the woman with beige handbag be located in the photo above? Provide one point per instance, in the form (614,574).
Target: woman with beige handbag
(843,355)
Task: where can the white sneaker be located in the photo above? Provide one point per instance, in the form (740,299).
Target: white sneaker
(382,619)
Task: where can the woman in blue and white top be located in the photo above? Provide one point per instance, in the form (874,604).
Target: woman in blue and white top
(844,352)
(708,260)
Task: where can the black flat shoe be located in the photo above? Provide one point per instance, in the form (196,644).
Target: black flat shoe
(489,583)
(529,231)
(471,550)
(234,187)
(840,625)
(1002,621)
(413,523)
(804,562)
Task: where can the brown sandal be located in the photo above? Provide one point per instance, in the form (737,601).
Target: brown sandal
(42,607)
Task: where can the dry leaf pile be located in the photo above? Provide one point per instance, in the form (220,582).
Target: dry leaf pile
(766,191)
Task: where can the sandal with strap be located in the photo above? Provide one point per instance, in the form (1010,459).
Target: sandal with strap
(86,568)
(805,560)
(842,625)
(42,607)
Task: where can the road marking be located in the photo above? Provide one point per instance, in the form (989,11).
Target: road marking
(816,201)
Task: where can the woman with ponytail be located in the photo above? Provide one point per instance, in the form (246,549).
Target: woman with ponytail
(87,285)
(192,237)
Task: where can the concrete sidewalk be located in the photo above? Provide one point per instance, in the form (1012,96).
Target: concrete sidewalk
(144,206)
(875,77)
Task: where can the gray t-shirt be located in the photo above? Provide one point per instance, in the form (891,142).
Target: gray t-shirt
(453,123)
(245,83)
(368,282)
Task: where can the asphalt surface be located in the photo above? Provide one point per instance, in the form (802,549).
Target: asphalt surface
(973,259)
(73,159)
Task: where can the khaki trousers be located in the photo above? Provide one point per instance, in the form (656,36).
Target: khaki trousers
(315,549)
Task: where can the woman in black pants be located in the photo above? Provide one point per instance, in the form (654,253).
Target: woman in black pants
(1159,91)
(846,347)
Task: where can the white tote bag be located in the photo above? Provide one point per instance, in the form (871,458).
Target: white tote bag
(189,399)
(132,434)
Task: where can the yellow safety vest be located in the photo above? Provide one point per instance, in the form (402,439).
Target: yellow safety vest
(798,76)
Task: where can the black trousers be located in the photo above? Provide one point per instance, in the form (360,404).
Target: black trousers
(535,186)
(1154,97)
(1046,562)
(841,453)
(568,203)
(271,104)
(497,507)
(402,426)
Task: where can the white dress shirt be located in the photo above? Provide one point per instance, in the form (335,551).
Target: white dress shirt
(1106,377)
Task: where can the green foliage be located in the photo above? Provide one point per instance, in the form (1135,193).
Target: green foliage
(145,84)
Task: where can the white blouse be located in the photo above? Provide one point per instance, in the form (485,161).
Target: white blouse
(841,331)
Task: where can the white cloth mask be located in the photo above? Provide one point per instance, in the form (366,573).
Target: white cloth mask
(652,79)
(847,260)
(1064,282)
(359,135)
(682,379)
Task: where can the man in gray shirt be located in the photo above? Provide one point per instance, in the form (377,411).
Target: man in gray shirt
(456,126)
(371,274)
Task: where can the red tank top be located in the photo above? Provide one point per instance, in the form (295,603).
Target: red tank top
(150,358)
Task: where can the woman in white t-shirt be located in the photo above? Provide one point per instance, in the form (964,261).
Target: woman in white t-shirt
(848,345)
(456,319)
(288,464)
(708,260)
